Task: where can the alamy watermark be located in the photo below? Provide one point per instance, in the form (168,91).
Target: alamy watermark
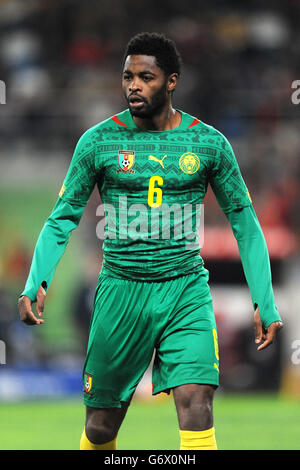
(295,357)
(2,352)
(295,97)
(123,221)
(2,92)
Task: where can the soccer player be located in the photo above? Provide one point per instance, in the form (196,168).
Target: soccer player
(152,164)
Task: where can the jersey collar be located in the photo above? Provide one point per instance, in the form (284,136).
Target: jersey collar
(125,119)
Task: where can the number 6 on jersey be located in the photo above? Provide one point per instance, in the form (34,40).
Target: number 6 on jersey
(154,192)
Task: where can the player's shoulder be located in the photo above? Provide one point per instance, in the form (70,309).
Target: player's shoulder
(197,125)
(109,124)
(213,136)
(113,121)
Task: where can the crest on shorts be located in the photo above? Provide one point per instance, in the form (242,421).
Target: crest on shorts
(125,161)
(88,382)
(189,163)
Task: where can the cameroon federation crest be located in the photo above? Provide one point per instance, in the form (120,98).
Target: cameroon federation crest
(125,161)
(88,382)
(189,163)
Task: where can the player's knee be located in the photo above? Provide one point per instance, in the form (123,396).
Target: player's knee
(194,394)
(195,404)
(99,433)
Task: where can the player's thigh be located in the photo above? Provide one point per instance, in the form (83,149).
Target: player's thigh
(120,344)
(188,349)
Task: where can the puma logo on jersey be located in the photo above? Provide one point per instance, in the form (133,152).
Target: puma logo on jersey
(151,157)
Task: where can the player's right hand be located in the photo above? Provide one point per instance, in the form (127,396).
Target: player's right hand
(25,308)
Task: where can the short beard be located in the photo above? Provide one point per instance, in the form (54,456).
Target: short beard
(152,109)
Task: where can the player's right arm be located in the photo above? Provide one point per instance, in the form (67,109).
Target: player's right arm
(64,218)
(25,308)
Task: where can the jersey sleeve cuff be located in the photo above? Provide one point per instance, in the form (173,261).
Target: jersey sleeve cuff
(31,293)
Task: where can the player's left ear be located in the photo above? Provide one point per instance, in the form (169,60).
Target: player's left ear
(172,82)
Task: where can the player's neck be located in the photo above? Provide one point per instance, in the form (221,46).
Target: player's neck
(168,119)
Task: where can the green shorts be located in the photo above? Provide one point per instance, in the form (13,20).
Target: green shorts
(134,319)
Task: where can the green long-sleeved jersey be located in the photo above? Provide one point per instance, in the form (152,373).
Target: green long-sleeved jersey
(152,186)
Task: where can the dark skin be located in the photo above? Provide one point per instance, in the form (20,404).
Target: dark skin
(148,92)
(143,79)
(265,336)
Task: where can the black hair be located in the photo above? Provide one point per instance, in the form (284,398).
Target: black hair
(156,44)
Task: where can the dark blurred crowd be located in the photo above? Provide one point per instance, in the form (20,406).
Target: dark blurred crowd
(61,62)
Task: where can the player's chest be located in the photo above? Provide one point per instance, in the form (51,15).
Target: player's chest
(134,166)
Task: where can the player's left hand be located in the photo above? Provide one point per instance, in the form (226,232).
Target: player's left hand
(267,335)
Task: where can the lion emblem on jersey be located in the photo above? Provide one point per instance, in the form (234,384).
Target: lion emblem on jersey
(125,161)
(189,163)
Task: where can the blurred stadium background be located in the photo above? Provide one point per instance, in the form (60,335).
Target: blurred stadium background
(61,64)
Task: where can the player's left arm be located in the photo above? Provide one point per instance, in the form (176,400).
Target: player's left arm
(234,199)
(256,264)
(266,336)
